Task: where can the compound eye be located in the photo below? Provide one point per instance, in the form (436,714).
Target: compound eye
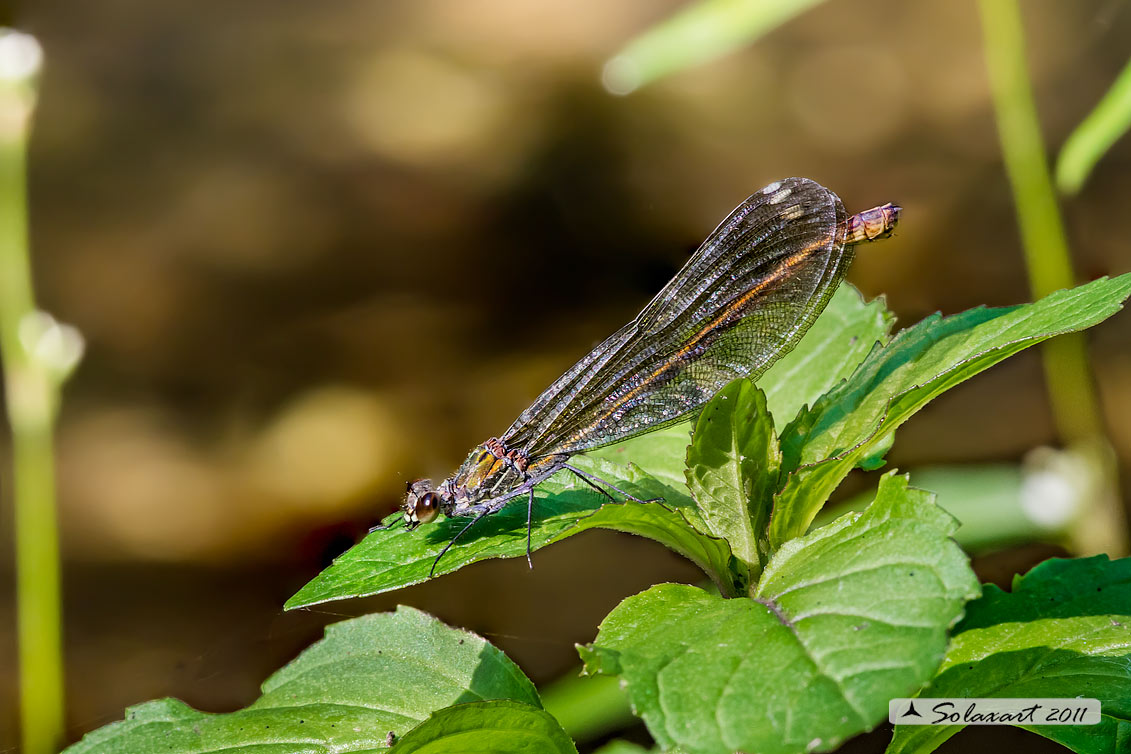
(427,507)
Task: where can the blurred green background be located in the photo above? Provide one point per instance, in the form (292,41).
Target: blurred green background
(320,249)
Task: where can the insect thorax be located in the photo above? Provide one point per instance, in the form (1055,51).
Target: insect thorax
(490,471)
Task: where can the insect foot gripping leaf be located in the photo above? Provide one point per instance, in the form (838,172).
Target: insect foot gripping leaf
(370,676)
(565,505)
(743,300)
(842,620)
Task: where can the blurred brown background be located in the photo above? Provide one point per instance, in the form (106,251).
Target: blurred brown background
(319,249)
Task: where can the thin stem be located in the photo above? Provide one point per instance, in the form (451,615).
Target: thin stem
(39,592)
(587,706)
(1104,126)
(31,387)
(1071,391)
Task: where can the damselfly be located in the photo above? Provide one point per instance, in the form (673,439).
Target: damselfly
(742,301)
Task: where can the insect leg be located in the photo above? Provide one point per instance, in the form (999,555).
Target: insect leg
(494,505)
(590,479)
(452,541)
(389,525)
(529,525)
(602,490)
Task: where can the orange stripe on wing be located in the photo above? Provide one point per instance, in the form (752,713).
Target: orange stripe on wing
(722,320)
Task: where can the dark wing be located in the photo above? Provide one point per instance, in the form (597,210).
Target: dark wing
(743,300)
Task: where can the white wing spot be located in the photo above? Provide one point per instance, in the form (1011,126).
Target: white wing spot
(779,196)
(772,187)
(792,212)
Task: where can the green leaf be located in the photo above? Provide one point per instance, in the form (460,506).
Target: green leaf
(825,442)
(587,707)
(1095,135)
(732,468)
(697,33)
(1064,631)
(393,558)
(875,458)
(487,728)
(670,527)
(832,349)
(624,747)
(986,498)
(835,345)
(659,454)
(367,677)
(843,620)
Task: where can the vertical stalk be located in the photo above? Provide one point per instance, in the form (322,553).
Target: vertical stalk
(1095,135)
(1047,259)
(38,592)
(36,354)
(1072,394)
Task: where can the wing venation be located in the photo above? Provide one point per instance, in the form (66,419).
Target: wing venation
(743,300)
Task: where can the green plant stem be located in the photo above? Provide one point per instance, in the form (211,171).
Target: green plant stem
(39,592)
(587,706)
(1095,135)
(31,392)
(1071,392)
